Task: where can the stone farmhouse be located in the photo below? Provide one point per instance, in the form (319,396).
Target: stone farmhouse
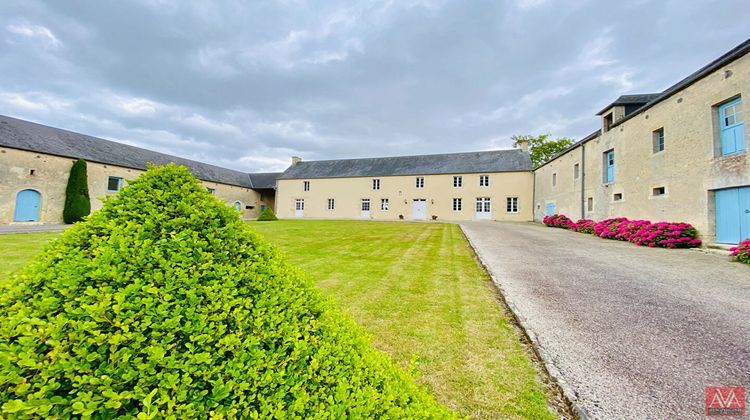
(677,155)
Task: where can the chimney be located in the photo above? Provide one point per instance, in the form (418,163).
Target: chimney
(523,145)
(296,160)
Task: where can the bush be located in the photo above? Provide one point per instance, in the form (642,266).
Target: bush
(666,234)
(165,304)
(742,251)
(608,228)
(267,215)
(77,202)
(558,220)
(584,226)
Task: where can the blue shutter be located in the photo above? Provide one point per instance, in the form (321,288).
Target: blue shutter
(550,209)
(732,128)
(610,166)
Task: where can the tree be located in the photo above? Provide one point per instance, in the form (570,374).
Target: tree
(77,201)
(542,148)
(267,215)
(165,304)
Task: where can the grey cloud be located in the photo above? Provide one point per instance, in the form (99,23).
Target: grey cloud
(247,84)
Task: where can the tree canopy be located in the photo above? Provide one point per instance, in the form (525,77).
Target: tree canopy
(542,148)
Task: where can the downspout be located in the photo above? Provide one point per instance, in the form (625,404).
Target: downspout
(533,195)
(583,181)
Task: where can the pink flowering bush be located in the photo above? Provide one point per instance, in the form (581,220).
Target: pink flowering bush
(667,235)
(642,232)
(584,226)
(559,221)
(742,251)
(608,228)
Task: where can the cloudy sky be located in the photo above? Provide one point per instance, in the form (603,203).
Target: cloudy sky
(247,84)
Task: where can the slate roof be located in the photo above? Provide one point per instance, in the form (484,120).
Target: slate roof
(264,180)
(453,163)
(25,135)
(637,99)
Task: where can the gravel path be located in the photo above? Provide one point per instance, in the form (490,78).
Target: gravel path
(634,332)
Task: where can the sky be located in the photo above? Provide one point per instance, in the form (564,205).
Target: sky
(248,84)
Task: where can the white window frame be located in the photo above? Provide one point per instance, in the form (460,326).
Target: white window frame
(511,204)
(299,204)
(331,204)
(365,202)
(458,181)
(384,204)
(457,204)
(420,182)
(376,184)
(305,185)
(484,180)
(658,141)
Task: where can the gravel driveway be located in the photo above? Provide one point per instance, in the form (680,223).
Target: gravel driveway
(635,332)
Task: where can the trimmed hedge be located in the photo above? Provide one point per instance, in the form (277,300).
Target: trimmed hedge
(165,304)
(77,201)
(742,251)
(639,232)
(267,215)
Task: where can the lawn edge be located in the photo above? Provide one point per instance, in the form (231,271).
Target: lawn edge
(544,361)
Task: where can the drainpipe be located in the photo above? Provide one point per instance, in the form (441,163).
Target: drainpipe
(533,195)
(583,181)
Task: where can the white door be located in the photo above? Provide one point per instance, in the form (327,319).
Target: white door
(419,209)
(365,209)
(299,207)
(483,209)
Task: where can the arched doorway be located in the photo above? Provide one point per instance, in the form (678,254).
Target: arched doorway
(28,203)
(238,206)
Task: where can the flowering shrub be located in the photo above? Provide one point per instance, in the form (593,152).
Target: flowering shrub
(666,234)
(742,251)
(558,220)
(608,228)
(642,232)
(584,226)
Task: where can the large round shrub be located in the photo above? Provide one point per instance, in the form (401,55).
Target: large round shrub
(165,304)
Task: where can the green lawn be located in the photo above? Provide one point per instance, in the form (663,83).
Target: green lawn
(417,290)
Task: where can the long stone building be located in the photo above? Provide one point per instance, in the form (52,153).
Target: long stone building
(35,162)
(678,155)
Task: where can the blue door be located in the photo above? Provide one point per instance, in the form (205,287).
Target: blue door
(732,127)
(732,215)
(27,206)
(238,206)
(550,209)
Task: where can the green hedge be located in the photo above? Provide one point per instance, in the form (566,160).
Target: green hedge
(77,202)
(267,215)
(165,304)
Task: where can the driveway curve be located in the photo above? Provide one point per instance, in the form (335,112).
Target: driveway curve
(635,332)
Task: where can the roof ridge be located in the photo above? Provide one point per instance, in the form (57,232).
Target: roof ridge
(410,156)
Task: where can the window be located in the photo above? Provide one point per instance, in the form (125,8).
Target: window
(32,171)
(458,181)
(375,184)
(483,205)
(114,184)
(554,180)
(576,171)
(511,204)
(384,204)
(238,206)
(609,166)
(607,121)
(420,182)
(484,180)
(658,191)
(731,127)
(590,204)
(211,191)
(299,204)
(658,140)
(457,204)
(306,185)
(617,197)
(365,204)
(331,204)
